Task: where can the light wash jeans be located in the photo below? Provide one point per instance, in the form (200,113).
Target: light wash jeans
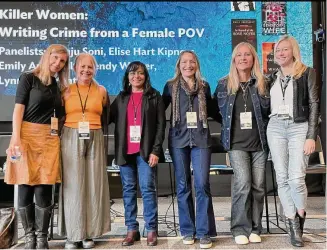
(286,141)
(248,191)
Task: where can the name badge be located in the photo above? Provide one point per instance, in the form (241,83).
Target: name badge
(54,126)
(246,120)
(83,130)
(191,120)
(135,134)
(283,112)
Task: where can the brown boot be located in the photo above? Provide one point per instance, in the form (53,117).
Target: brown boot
(152,239)
(131,237)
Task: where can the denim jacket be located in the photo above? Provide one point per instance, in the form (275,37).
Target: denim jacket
(261,105)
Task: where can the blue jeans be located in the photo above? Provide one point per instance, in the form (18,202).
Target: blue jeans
(137,167)
(248,191)
(205,219)
(286,141)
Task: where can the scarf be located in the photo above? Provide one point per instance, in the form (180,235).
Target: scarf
(197,90)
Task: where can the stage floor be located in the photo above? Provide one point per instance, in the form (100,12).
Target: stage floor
(314,231)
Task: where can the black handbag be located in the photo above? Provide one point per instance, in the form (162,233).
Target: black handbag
(7,227)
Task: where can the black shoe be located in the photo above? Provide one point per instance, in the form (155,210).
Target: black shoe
(205,242)
(42,220)
(295,231)
(27,216)
(302,220)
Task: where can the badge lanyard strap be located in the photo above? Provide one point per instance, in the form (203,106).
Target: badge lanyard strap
(80,98)
(245,94)
(284,82)
(135,108)
(191,99)
(54,103)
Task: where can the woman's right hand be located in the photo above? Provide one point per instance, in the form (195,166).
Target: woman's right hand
(13,143)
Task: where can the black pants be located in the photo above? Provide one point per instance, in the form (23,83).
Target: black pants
(43,195)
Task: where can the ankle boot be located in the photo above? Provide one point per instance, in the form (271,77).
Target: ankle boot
(27,216)
(302,220)
(295,232)
(42,220)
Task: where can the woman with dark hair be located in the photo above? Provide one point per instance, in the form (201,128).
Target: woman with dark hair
(139,117)
(35,142)
(190,141)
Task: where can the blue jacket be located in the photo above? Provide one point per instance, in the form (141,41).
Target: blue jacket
(261,105)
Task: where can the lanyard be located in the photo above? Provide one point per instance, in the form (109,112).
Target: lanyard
(283,84)
(54,102)
(80,98)
(191,99)
(135,108)
(245,93)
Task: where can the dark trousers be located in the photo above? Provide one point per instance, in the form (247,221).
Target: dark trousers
(247,191)
(43,195)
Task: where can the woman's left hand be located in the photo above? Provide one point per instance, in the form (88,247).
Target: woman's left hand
(153,160)
(309,146)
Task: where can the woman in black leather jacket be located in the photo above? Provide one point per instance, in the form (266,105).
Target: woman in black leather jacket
(292,130)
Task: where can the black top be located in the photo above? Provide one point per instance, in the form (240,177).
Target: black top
(244,139)
(153,125)
(39,100)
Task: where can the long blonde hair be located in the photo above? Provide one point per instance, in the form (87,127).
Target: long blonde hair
(42,70)
(298,66)
(233,79)
(178,73)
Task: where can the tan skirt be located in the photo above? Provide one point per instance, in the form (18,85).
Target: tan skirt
(40,161)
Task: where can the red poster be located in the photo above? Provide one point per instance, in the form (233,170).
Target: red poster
(268,64)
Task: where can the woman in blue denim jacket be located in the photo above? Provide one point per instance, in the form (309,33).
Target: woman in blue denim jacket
(244,106)
(189,140)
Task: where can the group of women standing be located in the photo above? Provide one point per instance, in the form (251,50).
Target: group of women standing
(257,113)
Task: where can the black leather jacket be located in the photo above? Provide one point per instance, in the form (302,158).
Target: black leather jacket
(153,125)
(306,100)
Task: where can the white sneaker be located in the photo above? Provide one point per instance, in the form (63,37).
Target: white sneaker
(254,238)
(241,240)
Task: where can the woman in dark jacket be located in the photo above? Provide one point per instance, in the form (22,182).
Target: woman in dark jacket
(189,140)
(292,130)
(244,105)
(139,117)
